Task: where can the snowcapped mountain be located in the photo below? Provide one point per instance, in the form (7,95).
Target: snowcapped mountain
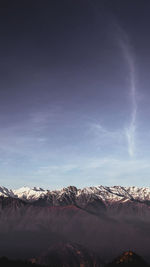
(115,193)
(31,194)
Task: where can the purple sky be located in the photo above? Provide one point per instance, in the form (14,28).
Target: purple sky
(74,93)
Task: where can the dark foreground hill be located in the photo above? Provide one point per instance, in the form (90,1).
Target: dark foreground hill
(128,259)
(4,262)
(69,255)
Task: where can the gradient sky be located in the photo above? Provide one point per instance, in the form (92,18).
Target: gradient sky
(74,93)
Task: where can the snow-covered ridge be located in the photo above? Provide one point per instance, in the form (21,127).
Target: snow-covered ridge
(114,193)
(23,193)
(6,192)
(30,193)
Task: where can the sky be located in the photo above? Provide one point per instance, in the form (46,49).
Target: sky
(74,93)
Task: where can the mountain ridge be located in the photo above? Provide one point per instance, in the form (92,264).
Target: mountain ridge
(116,193)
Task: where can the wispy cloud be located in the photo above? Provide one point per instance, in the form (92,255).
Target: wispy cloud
(26,137)
(127,52)
(44,117)
(112,141)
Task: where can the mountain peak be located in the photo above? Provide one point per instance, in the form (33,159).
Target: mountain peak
(28,193)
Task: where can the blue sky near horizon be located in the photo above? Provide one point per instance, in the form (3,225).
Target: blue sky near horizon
(74,94)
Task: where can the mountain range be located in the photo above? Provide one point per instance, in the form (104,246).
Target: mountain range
(115,193)
(103,219)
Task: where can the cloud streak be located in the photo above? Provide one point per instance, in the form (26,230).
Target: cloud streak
(129,58)
(127,52)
